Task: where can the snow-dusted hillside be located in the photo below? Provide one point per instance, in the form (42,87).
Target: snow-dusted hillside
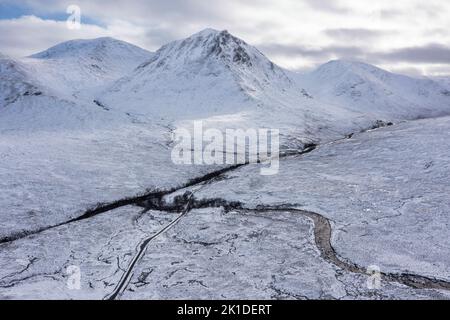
(213,76)
(365,88)
(68,68)
(221,79)
(56,88)
(82,64)
(445,82)
(385,207)
(15,81)
(90,121)
(209,73)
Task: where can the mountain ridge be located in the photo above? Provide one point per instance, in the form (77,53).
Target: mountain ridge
(217,77)
(85,46)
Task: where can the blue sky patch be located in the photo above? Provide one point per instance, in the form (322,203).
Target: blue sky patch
(14,11)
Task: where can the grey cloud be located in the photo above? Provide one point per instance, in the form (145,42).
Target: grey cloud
(430,9)
(410,71)
(319,53)
(354,34)
(154,38)
(389,13)
(432,54)
(327,6)
(442,32)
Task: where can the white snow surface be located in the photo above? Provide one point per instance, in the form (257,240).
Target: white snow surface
(82,64)
(90,121)
(211,255)
(385,191)
(365,88)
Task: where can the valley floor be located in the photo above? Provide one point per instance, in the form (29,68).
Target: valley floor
(376,201)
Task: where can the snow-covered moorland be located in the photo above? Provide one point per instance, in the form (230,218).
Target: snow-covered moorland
(86,176)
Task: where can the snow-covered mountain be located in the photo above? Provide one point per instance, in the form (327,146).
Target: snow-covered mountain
(15,81)
(103,50)
(209,73)
(81,64)
(85,129)
(445,82)
(365,88)
(212,76)
(217,77)
(69,67)
(55,88)
(224,81)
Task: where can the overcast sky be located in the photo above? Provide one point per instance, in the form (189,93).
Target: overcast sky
(408,36)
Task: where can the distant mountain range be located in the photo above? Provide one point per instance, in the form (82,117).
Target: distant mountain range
(211,75)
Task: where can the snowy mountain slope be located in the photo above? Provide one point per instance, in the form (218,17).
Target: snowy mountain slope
(15,81)
(68,68)
(205,68)
(222,80)
(445,82)
(211,76)
(386,192)
(219,78)
(208,73)
(62,153)
(365,88)
(82,64)
(104,50)
(55,88)
(384,210)
(27,105)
